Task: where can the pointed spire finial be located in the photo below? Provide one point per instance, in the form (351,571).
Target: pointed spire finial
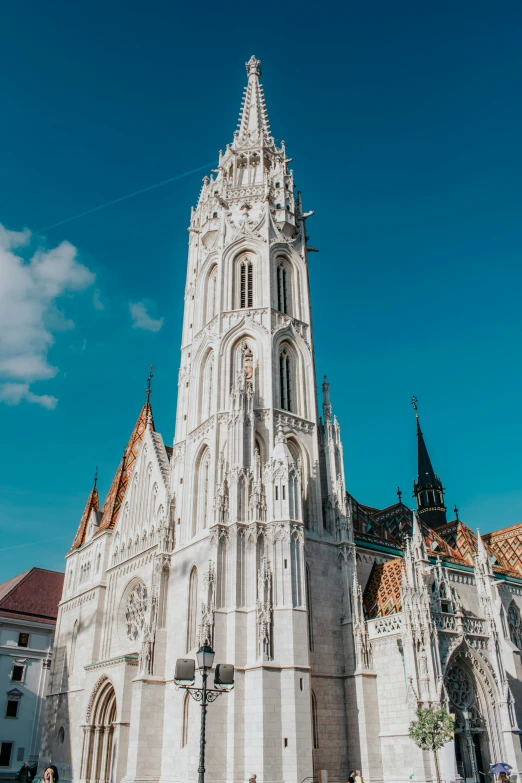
(414,402)
(96,477)
(149,380)
(399,494)
(455,509)
(253,66)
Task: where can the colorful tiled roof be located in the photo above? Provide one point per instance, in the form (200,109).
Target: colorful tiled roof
(33,595)
(112,505)
(382,594)
(506,545)
(91,505)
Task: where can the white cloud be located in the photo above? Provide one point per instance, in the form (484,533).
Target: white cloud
(96,300)
(29,314)
(142,320)
(15,393)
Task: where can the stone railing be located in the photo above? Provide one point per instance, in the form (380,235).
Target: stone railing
(384,626)
(451,623)
(445,622)
(475,626)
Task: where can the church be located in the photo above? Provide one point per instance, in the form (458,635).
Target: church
(340,619)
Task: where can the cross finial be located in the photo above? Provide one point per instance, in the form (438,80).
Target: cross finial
(149,379)
(399,494)
(96,477)
(414,402)
(455,509)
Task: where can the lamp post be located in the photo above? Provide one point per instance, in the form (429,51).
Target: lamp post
(184,678)
(466,714)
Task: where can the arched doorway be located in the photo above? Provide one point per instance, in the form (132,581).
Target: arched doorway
(97,752)
(473,701)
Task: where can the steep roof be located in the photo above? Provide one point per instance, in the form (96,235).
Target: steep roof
(112,505)
(382,594)
(253,118)
(506,544)
(91,505)
(33,595)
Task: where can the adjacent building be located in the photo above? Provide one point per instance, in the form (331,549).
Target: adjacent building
(340,618)
(28,611)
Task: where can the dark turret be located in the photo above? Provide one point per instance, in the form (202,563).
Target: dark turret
(427,489)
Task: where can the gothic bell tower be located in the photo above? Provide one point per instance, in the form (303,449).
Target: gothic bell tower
(248,448)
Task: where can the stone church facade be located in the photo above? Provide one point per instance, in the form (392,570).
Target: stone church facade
(340,619)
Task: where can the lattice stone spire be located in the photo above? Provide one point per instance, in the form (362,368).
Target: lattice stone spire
(253,118)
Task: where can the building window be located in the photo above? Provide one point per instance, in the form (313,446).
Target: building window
(61,735)
(23,640)
(192,614)
(515,625)
(309,607)
(17,675)
(5,754)
(246,298)
(285,383)
(20,754)
(12,708)
(315,724)
(282,291)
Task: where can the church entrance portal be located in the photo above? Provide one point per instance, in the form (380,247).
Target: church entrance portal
(472,747)
(97,756)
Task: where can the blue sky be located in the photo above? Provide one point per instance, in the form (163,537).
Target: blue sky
(404,123)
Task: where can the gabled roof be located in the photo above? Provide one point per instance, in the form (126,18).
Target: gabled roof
(382,594)
(506,544)
(33,595)
(91,505)
(112,505)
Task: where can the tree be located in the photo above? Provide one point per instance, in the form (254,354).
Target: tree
(433,728)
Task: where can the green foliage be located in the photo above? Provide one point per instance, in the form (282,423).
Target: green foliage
(433,728)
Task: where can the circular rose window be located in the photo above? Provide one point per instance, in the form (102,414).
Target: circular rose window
(459,687)
(135,611)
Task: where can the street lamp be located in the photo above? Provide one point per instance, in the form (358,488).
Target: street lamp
(184,678)
(467,715)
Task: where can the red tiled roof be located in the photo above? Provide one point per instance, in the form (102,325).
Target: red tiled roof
(506,545)
(91,505)
(382,594)
(112,505)
(33,595)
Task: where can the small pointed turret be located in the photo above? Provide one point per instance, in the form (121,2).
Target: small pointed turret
(427,489)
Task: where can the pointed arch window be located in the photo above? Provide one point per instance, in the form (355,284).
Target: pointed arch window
(515,625)
(246,284)
(308,586)
(207,387)
(315,722)
(212,294)
(202,497)
(285,381)
(192,611)
(282,288)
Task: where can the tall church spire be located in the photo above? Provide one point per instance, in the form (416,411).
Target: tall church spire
(253,119)
(427,489)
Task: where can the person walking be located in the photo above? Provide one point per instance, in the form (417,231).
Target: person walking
(358,776)
(351,776)
(253,778)
(24,776)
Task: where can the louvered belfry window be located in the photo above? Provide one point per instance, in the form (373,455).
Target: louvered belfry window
(285,382)
(282,296)
(246,284)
